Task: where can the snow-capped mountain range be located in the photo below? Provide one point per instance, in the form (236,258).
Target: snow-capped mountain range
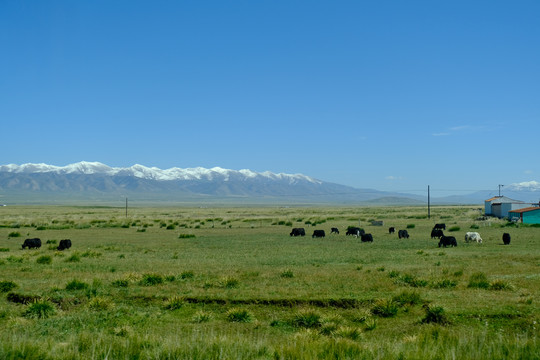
(94,180)
(152,173)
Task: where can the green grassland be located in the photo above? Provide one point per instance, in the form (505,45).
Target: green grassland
(230,283)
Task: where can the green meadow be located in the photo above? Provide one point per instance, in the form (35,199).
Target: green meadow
(230,283)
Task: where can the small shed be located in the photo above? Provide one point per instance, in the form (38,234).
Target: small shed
(528,215)
(500,206)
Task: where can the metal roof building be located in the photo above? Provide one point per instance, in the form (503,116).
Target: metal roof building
(500,206)
(528,215)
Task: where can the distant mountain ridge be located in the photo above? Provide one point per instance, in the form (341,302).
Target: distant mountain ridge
(97,181)
(94,180)
(150,173)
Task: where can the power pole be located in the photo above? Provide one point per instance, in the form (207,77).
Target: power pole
(126,207)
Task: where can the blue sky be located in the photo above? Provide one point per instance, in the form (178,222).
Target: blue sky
(391,95)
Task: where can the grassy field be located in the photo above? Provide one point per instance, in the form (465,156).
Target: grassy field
(230,283)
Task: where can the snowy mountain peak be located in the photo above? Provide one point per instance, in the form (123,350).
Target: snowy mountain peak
(154,173)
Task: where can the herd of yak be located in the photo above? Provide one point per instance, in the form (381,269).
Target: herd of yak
(357,232)
(35,243)
(436,232)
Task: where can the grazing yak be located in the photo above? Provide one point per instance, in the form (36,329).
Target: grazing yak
(436,233)
(318,234)
(298,232)
(473,236)
(367,238)
(32,243)
(403,234)
(64,244)
(334,231)
(355,231)
(440,227)
(391,230)
(506,238)
(447,241)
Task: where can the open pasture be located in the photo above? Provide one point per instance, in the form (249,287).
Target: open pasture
(230,283)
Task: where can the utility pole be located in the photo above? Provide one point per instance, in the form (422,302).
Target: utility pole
(428,204)
(126,207)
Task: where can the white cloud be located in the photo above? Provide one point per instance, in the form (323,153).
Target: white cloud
(528,172)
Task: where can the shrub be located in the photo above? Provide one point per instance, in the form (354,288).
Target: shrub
(174,303)
(478,280)
(187,275)
(307,319)
(14,234)
(351,333)
(7,286)
(4,249)
(444,284)
(385,308)
(239,315)
(229,282)
(44,259)
(201,316)
(412,280)
(454,228)
(40,309)
(475,226)
(186,236)
(500,285)
(410,226)
(73,258)
(120,283)
(53,242)
(76,285)
(407,298)
(99,303)
(435,315)
(151,279)
(171,227)
(287,274)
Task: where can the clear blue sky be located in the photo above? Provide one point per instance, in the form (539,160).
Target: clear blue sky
(392,95)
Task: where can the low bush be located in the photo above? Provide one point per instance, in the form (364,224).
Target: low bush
(7,286)
(478,280)
(99,303)
(239,315)
(185,275)
(75,284)
(407,298)
(44,259)
(174,303)
(435,315)
(229,282)
(201,316)
(39,309)
(186,236)
(444,284)
(4,250)
(14,234)
(120,283)
(500,285)
(454,228)
(287,274)
(385,308)
(307,319)
(151,280)
(410,226)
